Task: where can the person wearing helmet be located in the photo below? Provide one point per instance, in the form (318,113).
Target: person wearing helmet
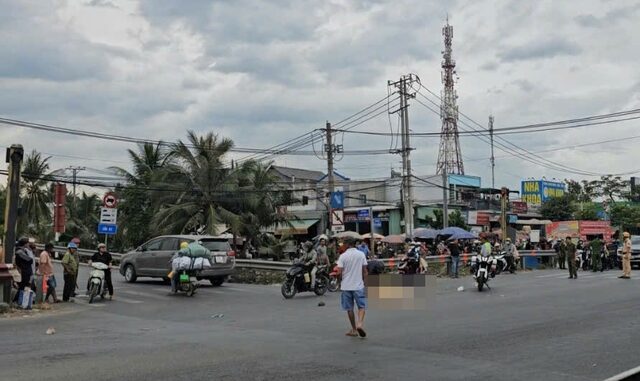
(184,245)
(485,247)
(509,254)
(103,256)
(626,257)
(309,259)
(70,263)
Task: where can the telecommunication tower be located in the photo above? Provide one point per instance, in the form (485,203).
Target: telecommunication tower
(450,155)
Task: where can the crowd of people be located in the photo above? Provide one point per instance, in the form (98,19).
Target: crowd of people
(36,270)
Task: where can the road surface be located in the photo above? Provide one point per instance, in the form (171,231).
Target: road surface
(530,326)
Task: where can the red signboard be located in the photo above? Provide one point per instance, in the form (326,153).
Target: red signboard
(596,228)
(519,207)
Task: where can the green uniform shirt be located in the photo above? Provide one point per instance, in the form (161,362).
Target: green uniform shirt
(70,263)
(596,247)
(569,250)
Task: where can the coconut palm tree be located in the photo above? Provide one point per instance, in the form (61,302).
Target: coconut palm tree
(200,191)
(36,195)
(137,207)
(83,222)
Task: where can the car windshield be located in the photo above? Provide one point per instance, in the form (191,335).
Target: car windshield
(216,245)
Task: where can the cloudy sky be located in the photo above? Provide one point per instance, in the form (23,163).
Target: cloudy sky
(262,72)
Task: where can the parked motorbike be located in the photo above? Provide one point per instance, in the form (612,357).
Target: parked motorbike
(298,279)
(503,263)
(410,264)
(96,281)
(483,268)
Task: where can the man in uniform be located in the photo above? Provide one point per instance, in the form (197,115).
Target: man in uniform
(596,250)
(570,252)
(562,255)
(626,257)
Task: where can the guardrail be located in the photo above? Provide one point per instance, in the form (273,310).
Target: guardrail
(391,263)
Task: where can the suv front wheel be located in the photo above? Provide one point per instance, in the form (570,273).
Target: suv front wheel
(130,274)
(217,281)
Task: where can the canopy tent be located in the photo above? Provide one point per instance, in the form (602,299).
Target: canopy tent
(295,227)
(425,233)
(394,239)
(348,234)
(375,236)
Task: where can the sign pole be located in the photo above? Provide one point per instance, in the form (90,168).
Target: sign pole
(372,241)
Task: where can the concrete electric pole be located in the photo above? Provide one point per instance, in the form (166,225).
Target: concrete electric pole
(75,171)
(15,155)
(493,159)
(407,193)
(329,150)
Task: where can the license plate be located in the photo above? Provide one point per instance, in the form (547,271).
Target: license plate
(221,260)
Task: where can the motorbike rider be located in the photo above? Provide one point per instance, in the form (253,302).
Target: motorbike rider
(509,253)
(175,277)
(309,260)
(103,256)
(485,246)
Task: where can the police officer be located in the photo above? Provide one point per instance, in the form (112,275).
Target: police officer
(562,255)
(570,252)
(596,251)
(626,257)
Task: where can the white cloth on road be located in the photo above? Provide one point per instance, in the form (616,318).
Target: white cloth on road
(352,262)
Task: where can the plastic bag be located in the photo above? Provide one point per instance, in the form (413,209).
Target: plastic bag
(201,264)
(195,250)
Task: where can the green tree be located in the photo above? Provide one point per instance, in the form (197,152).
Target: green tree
(455,219)
(586,212)
(83,220)
(558,208)
(36,196)
(137,207)
(625,216)
(203,192)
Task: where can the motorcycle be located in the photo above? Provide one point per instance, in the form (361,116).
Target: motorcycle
(410,264)
(96,281)
(483,268)
(187,282)
(503,263)
(298,279)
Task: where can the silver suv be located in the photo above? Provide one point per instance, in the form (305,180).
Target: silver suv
(152,259)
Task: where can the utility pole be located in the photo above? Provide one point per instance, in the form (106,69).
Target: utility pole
(445,197)
(329,149)
(75,171)
(504,199)
(14,157)
(407,193)
(493,159)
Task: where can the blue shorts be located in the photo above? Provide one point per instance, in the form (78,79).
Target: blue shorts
(348,298)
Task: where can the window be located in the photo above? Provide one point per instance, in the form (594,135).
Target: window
(170,244)
(363,198)
(216,245)
(152,245)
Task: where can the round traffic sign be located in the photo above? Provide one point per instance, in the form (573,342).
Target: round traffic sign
(109,200)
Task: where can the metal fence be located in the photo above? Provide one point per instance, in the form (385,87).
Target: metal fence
(391,263)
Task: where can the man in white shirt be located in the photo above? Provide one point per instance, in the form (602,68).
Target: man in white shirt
(352,267)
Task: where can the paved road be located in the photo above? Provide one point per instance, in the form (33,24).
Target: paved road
(530,326)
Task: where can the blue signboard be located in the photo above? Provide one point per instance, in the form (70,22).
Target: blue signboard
(535,192)
(363,214)
(513,218)
(377,223)
(337,200)
(109,229)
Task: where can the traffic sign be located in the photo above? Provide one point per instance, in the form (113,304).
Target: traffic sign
(109,229)
(110,200)
(108,216)
(337,200)
(337,217)
(377,222)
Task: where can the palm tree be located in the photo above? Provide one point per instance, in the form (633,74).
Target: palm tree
(203,192)
(36,195)
(137,207)
(83,222)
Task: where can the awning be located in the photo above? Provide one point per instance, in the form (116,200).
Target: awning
(533,221)
(295,227)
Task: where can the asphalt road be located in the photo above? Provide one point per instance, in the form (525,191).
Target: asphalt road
(530,326)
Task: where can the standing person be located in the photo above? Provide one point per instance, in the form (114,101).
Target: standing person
(24,264)
(332,250)
(352,268)
(570,253)
(454,249)
(561,253)
(45,269)
(70,263)
(103,256)
(323,257)
(626,257)
(596,249)
(362,246)
(509,254)
(322,247)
